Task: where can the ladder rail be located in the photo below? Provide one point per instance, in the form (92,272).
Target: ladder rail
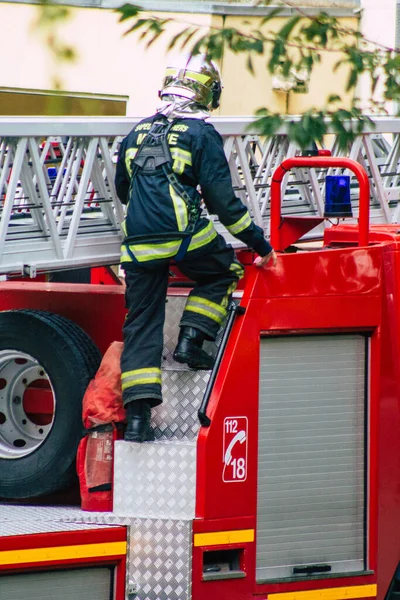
(74,207)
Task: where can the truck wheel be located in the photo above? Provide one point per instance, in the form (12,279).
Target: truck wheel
(46,363)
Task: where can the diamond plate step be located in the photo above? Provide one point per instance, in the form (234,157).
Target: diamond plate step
(176,418)
(155,479)
(158,479)
(183,388)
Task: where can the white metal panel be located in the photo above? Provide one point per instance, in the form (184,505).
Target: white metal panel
(155,480)
(311,472)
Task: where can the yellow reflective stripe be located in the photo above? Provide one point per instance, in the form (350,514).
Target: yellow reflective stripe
(124,255)
(130,155)
(205,312)
(181,158)
(145,252)
(200,77)
(140,377)
(203,237)
(180,209)
(229,293)
(181,154)
(201,300)
(219,538)
(209,309)
(123,225)
(237,268)
(243,223)
(145,370)
(127,384)
(338,593)
(55,553)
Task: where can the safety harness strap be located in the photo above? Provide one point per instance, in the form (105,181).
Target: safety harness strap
(153,153)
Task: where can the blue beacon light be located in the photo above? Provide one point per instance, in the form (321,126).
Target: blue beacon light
(337,196)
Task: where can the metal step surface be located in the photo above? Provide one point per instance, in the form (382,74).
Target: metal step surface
(155,480)
(183,391)
(158,479)
(183,388)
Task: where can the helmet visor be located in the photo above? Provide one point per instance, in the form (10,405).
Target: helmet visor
(195,86)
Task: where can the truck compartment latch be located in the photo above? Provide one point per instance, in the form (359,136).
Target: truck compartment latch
(311,569)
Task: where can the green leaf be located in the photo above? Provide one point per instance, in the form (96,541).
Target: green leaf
(286,30)
(188,37)
(352,80)
(155,37)
(268,123)
(278,54)
(137,25)
(176,38)
(338,64)
(271,15)
(286,67)
(127,11)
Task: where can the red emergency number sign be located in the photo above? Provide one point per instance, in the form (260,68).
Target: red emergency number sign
(234,457)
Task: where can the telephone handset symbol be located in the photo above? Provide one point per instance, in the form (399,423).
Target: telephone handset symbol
(239,437)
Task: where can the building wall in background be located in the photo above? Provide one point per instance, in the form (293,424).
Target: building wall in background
(109,63)
(244,92)
(380,23)
(29,102)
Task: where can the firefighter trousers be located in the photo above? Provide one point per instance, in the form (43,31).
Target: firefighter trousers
(215,271)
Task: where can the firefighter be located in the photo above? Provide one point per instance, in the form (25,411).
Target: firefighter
(162,164)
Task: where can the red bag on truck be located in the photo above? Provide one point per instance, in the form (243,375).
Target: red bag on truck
(103,416)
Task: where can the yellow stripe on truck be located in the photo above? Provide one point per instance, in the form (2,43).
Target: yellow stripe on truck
(219,538)
(339,593)
(56,553)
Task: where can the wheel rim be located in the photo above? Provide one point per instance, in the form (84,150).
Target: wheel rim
(27,404)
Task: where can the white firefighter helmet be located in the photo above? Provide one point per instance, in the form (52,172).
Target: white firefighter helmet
(194,78)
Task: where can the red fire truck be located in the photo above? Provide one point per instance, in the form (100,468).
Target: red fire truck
(275,477)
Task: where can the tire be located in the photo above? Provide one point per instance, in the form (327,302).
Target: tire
(45,361)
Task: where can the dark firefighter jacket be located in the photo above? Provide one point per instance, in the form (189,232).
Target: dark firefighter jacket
(157,215)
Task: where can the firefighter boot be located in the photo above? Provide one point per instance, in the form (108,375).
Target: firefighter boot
(138,413)
(189,349)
